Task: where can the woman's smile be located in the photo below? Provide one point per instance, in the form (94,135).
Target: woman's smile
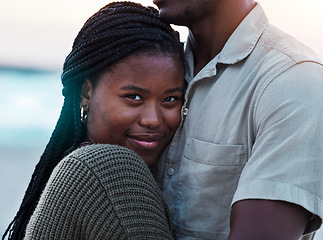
(146,141)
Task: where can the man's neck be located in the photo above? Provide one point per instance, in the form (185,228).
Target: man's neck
(209,36)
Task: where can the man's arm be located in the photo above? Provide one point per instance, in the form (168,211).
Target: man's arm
(267,220)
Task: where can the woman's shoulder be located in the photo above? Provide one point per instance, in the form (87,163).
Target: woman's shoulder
(97,150)
(112,165)
(106,156)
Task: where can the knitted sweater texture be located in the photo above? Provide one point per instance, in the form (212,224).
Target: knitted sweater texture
(100,192)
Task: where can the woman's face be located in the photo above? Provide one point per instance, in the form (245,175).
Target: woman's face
(137,103)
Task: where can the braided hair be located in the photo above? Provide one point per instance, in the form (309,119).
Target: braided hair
(114,32)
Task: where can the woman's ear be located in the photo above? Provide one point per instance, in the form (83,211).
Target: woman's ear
(86,94)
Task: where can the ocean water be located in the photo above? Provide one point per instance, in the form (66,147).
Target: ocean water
(31,102)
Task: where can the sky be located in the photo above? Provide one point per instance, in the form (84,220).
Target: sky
(40,33)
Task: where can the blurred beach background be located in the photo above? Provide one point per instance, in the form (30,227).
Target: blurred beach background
(35,38)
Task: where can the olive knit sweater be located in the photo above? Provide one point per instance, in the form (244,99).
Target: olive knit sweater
(100,192)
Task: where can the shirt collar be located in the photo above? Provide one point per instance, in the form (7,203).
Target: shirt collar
(239,45)
(245,37)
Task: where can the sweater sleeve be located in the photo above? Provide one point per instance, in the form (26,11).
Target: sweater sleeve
(100,192)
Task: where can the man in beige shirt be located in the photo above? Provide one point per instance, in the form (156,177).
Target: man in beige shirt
(247,160)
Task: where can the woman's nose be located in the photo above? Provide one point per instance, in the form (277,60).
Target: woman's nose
(150,117)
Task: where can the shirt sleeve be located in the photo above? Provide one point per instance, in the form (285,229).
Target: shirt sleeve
(286,162)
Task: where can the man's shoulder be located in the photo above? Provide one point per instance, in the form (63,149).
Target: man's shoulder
(277,53)
(282,46)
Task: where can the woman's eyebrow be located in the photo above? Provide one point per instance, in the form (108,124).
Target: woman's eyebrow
(136,88)
(172,90)
(133,87)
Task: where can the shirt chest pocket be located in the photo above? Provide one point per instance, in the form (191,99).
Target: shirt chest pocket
(212,169)
(209,175)
(215,154)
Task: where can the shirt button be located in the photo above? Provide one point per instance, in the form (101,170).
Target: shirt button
(185,111)
(171,171)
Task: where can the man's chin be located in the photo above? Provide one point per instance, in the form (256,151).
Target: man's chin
(164,15)
(169,18)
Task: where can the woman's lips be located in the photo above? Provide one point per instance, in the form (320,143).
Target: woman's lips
(146,141)
(145,144)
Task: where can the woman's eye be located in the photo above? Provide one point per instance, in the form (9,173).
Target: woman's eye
(170,99)
(134,97)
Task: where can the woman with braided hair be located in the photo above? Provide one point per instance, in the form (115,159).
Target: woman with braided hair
(123,85)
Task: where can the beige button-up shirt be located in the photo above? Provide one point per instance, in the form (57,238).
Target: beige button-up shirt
(252,129)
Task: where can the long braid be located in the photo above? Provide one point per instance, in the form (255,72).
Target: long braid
(49,159)
(114,32)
